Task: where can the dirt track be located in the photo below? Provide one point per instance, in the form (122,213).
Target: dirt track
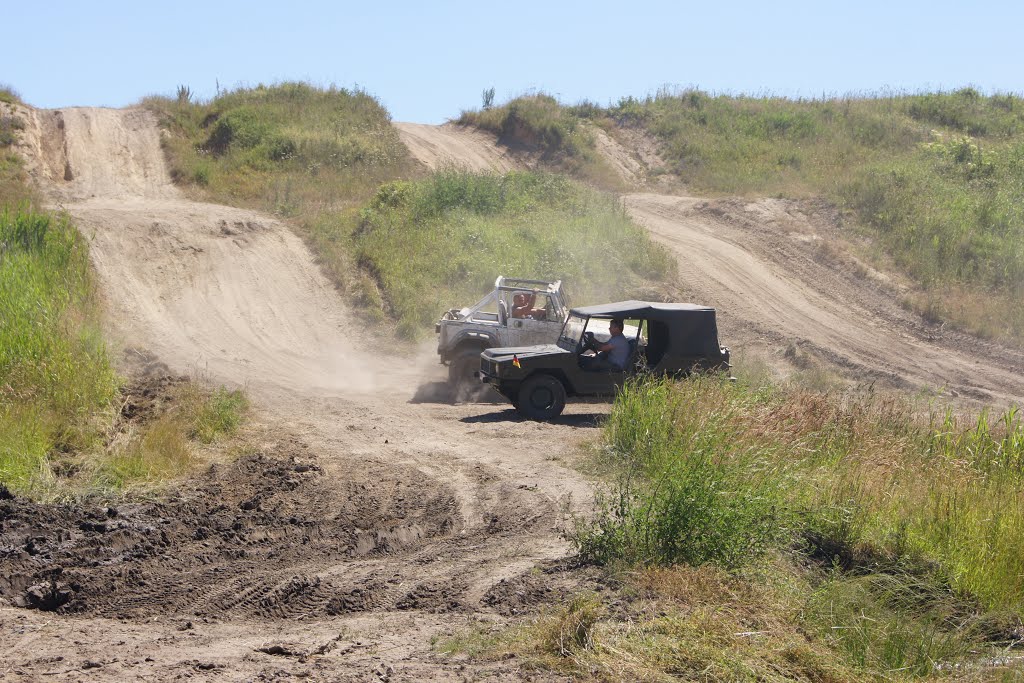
(370,518)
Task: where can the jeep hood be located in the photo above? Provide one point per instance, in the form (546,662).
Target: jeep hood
(500,354)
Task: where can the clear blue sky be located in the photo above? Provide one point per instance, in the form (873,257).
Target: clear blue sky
(426,61)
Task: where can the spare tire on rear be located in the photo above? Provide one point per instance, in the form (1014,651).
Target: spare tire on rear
(541,397)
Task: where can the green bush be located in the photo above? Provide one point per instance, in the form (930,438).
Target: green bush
(8,95)
(686,494)
(537,122)
(244,127)
(895,532)
(858,481)
(9,125)
(540,124)
(216,415)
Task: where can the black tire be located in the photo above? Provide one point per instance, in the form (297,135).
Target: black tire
(464,386)
(462,367)
(541,397)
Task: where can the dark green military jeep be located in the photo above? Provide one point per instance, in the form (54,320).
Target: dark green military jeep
(664,339)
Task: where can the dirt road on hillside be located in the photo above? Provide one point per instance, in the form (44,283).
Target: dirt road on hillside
(455,146)
(768,267)
(364,523)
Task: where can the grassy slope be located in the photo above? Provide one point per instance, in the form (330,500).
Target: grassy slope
(291,149)
(936,179)
(401,249)
(765,533)
(58,390)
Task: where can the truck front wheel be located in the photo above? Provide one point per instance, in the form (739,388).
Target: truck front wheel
(541,397)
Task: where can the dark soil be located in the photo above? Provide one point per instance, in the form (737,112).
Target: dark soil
(249,538)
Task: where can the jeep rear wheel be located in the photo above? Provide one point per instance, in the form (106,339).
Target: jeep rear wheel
(541,397)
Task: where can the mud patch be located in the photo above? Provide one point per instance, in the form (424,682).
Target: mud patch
(150,394)
(253,538)
(434,596)
(551,583)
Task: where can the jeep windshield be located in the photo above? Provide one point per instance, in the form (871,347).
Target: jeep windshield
(572,332)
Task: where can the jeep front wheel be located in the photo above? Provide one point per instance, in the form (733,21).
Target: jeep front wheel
(541,397)
(460,375)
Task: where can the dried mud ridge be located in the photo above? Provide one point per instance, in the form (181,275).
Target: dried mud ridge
(253,538)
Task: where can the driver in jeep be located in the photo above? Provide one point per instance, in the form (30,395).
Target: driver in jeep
(610,355)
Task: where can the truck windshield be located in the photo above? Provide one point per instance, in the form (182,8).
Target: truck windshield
(572,332)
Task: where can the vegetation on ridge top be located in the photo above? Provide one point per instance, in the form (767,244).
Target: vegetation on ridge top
(538,124)
(291,148)
(400,244)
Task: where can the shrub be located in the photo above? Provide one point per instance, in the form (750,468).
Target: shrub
(8,95)
(9,125)
(540,124)
(686,494)
(216,415)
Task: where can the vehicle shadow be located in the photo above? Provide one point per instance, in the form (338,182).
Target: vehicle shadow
(442,392)
(510,415)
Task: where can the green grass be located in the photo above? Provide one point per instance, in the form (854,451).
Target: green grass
(290,148)
(936,179)
(213,416)
(9,95)
(167,447)
(14,187)
(754,532)
(59,432)
(688,494)
(914,519)
(559,136)
(425,246)
(54,373)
